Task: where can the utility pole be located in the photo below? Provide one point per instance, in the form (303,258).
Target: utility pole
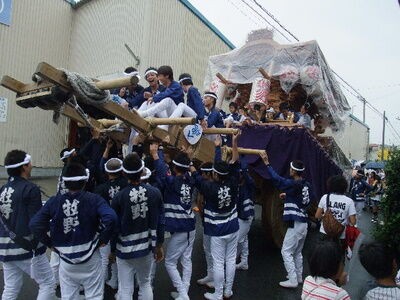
(364,101)
(383,135)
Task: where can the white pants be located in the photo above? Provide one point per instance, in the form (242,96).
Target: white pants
(359,205)
(223,252)
(291,250)
(40,271)
(55,265)
(180,248)
(162,109)
(144,107)
(183,110)
(243,242)
(88,274)
(104,254)
(126,271)
(207,253)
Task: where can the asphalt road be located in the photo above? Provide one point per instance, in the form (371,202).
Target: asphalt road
(261,281)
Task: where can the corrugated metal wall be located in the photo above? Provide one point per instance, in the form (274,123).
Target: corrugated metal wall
(158,31)
(90,40)
(39,31)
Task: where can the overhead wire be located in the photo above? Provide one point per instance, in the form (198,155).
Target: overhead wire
(343,82)
(269,23)
(243,13)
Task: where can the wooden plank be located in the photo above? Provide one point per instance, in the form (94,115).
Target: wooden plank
(12,84)
(58,77)
(71,113)
(52,75)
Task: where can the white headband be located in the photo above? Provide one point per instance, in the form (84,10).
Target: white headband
(67,154)
(147,175)
(134,171)
(206,169)
(116,170)
(180,165)
(185,78)
(26,160)
(149,72)
(296,169)
(210,95)
(220,173)
(78,178)
(131,74)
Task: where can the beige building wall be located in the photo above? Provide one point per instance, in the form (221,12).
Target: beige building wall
(39,31)
(159,32)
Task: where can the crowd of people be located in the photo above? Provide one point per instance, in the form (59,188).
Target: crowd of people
(111,213)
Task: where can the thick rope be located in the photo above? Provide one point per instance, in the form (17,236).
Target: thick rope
(86,90)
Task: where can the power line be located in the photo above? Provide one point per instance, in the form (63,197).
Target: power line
(276,21)
(243,13)
(266,20)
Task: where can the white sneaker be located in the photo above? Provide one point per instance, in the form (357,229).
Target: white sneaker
(288,284)
(299,279)
(207,281)
(228,294)
(242,266)
(182,297)
(211,296)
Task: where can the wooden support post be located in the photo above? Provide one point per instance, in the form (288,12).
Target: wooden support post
(222,78)
(264,73)
(71,113)
(171,121)
(244,150)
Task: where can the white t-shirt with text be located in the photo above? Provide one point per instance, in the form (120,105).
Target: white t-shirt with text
(341,207)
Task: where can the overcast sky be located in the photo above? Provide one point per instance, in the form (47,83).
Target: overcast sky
(359,38)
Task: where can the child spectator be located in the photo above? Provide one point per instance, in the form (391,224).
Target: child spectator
(379,261)
(326,268)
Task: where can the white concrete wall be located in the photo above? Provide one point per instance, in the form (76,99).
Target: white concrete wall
(354,140)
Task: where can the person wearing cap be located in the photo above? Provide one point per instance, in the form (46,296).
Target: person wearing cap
(133,91)
(179,218)
(194,107)
(79,222)
(221,222)
(154,88)
(359,188)
(297,194)
(115,183)
(65,156)
(245,208)
(138,207)
(213,116)
(20,253)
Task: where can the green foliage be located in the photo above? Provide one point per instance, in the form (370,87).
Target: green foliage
(389,232)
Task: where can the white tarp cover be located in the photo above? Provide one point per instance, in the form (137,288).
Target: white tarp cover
(301,63)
